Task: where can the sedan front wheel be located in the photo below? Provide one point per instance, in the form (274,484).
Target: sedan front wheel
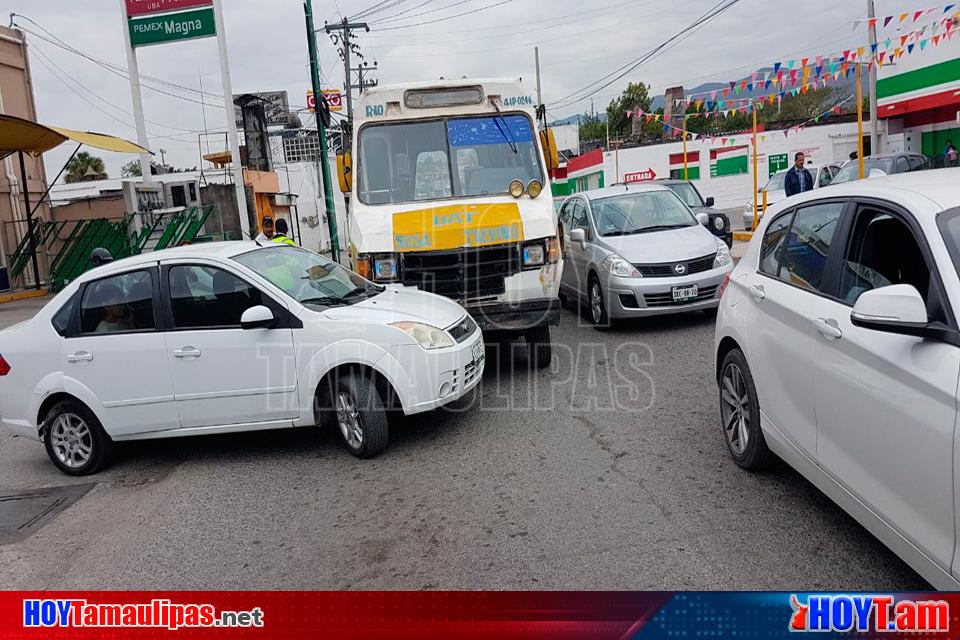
(360,415)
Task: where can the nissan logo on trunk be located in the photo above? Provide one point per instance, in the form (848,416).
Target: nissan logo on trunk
(680,269)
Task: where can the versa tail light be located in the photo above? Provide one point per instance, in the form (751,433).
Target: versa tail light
(4,366)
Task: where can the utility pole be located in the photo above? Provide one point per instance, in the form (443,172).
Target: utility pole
(536,58)
(321,132)
(345,27)
(362,83)
(874,124)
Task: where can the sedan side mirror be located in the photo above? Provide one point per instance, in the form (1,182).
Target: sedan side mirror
(710,201)
(896,308)
(703,219)
(579,236)
(258,317)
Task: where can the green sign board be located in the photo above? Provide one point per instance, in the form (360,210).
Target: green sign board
(777,162)
(171,27)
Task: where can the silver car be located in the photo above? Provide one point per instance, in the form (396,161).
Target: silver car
(638,250)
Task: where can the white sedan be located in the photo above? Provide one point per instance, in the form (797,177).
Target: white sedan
(228,337)
(838,350)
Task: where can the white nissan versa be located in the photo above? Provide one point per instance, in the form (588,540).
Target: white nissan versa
(838,350)
(228,337)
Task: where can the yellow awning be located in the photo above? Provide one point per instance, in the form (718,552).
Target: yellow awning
(18,134)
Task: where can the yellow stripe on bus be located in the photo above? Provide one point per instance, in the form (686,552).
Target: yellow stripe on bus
(455,226)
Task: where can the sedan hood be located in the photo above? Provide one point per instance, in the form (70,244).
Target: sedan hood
(672,245)
(399,304)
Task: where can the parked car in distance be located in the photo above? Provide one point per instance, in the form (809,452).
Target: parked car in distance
(838,350)
(888,164)
(822,176)
(719,222)
(638,250)
(228,337)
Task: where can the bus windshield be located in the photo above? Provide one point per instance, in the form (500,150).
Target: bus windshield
(449,158)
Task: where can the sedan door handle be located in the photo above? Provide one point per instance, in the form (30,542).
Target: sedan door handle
(187,352)
(757,292)
(80,356)
(828,328)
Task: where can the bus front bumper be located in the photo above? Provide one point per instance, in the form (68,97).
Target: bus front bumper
(516,316)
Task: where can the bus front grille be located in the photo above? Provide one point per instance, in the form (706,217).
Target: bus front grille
(461,274)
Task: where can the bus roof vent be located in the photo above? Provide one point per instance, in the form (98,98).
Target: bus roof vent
(445,97)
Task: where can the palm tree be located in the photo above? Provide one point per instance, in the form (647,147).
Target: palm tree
(84,166)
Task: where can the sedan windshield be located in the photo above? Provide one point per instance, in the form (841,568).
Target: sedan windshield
(456,157)
(776,182)
(687,193)
(307,277)
(632,213)
(851,170)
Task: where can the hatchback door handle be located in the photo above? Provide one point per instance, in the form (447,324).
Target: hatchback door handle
(757,292)
(828,328)
(80,356)
(187,352)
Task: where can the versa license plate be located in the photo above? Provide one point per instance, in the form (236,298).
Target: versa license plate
(682,294)
(478,353)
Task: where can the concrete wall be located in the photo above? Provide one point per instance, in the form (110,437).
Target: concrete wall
(223,197)
(821,144)
(102,207)
(301,179)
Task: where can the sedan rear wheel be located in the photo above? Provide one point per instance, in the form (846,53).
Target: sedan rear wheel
(740,414)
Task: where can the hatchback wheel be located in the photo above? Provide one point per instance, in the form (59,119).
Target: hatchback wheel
(598,306)
(75,439)
(740,413)
(360,415)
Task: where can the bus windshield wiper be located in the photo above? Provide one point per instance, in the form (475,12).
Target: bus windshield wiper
(505,129)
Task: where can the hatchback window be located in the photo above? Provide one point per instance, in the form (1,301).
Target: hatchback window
(882,251)
(118,304)
(804,256)
(917,163)
(901,165)
(210,298)
(771,249)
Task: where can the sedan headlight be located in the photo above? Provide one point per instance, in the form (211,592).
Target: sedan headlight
(723,255)
(620,267)
(427,336)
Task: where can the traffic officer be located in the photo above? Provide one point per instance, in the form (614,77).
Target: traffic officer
(280,232)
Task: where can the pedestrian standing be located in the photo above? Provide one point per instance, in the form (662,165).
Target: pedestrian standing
(266,230)
(798,178)
(950,153)
(281,232)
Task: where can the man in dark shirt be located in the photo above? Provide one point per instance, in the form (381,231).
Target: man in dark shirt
(798,178)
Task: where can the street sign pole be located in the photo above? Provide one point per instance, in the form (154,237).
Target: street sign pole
(235,164)
(133,71)
(322,132)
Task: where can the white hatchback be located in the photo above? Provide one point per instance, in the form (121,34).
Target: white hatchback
(838,350)
(229,337)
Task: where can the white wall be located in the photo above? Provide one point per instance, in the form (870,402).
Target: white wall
(301,179)
(822,144)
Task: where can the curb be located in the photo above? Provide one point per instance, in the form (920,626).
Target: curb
(23,295)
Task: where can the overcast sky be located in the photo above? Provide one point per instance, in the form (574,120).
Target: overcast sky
(579,41)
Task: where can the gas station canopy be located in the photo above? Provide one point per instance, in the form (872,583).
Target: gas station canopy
(17,134)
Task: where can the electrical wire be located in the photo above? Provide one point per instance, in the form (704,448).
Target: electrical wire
(408,10)
(445,18)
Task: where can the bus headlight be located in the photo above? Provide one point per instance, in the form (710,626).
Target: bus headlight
(535,188)
(533,255)
(516,188)
(385,268)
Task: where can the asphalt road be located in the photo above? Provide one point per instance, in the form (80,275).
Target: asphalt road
(608,472)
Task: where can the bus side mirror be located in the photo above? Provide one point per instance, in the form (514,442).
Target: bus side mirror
(345,172)
(550,152)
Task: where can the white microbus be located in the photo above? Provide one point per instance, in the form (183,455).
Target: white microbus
(450,193)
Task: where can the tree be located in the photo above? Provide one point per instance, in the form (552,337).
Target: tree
(592,127)
(84,166)
(635,96)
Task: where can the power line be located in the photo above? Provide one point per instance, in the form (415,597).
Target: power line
(376,8)
(408,10)
(456,15)
(395,18)
(620,72)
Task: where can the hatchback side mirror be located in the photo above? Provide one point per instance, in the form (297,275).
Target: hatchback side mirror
(703,219)
(710,201)
(896,308)
(258,317)
(579,236)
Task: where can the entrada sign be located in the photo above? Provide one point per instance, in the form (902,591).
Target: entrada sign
(146,7)
(199,23)
(640,176)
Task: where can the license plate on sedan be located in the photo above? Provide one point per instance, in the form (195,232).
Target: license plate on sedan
(682,294)
(478,353)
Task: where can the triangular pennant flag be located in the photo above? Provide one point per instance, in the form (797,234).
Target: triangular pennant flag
(860,52)
(872,24)
(887,20)
(776,67)
(916,16)
(910,48)
(873,48)
(903,16)
(804,62)
(724,141)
